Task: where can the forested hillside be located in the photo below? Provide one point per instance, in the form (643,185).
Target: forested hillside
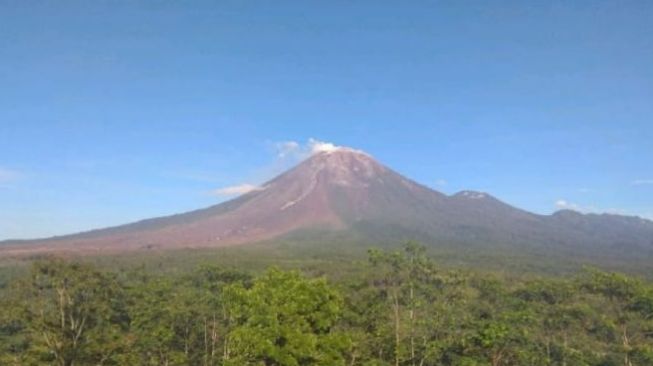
(401,309)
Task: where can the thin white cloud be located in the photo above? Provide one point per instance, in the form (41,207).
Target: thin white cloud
(641,182)
(287,148)
(8,175)
(585,190)
(563,204)
(236,190)
(441,182)
(615,211)
(566,205)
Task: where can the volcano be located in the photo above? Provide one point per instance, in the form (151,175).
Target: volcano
(346,191)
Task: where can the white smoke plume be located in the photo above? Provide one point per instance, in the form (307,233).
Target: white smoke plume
(296,151)
(317,146)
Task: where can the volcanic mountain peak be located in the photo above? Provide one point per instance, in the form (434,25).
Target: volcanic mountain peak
(341,154)
(346,190)
(338,167)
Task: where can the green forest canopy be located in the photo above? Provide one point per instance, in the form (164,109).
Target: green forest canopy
(400,309)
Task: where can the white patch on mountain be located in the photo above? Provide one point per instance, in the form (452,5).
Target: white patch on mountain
(236,190)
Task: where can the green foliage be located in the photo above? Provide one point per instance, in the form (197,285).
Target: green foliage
(68,314)
(285,319)
(399,308)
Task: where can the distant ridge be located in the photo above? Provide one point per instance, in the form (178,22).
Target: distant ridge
(347,191)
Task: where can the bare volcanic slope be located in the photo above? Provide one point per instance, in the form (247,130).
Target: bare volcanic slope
(325,191)
(347,191)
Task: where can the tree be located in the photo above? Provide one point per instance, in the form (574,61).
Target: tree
(73,314)
(285,319)
(626,299)
(417,298)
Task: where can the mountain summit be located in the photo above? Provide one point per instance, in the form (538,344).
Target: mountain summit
(346,191)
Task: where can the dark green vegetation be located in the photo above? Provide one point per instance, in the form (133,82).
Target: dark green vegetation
(397,307)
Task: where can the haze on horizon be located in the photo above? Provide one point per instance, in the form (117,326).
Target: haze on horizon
(112,113)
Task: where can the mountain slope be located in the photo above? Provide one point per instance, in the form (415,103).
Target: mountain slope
(348,192)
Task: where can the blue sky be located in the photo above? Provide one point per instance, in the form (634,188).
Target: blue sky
(112,111)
